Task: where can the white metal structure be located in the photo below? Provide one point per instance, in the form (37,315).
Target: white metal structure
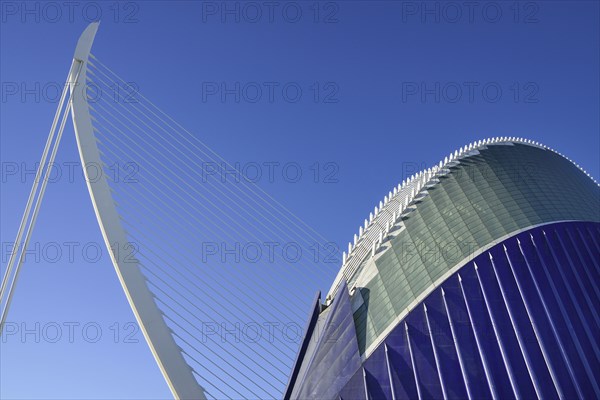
(400,201)
(385,223)
(177,373)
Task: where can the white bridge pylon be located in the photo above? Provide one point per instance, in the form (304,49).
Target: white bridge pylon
(168,355)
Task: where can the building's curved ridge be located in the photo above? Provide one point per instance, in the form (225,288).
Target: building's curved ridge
(372,234)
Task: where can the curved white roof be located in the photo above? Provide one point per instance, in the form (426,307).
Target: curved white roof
(400,201)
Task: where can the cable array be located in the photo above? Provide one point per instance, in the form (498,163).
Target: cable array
(232,270)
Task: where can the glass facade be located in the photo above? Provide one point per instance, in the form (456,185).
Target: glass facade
(422,331)
(518,321)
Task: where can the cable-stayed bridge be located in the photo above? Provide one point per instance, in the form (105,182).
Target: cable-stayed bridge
(217,273)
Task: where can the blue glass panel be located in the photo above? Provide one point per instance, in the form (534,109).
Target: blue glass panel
(336,357)
(423,354)
(378,382)
(561,350)
(485,331)
(402,373)
(578,322)
(559,312)
(355,389)
(516,363)
(550,341)
(449,364)
(477,379)
(530,346)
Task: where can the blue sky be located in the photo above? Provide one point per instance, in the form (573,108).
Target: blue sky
(366,93)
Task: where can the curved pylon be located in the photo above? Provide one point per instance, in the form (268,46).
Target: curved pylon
(176,371)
